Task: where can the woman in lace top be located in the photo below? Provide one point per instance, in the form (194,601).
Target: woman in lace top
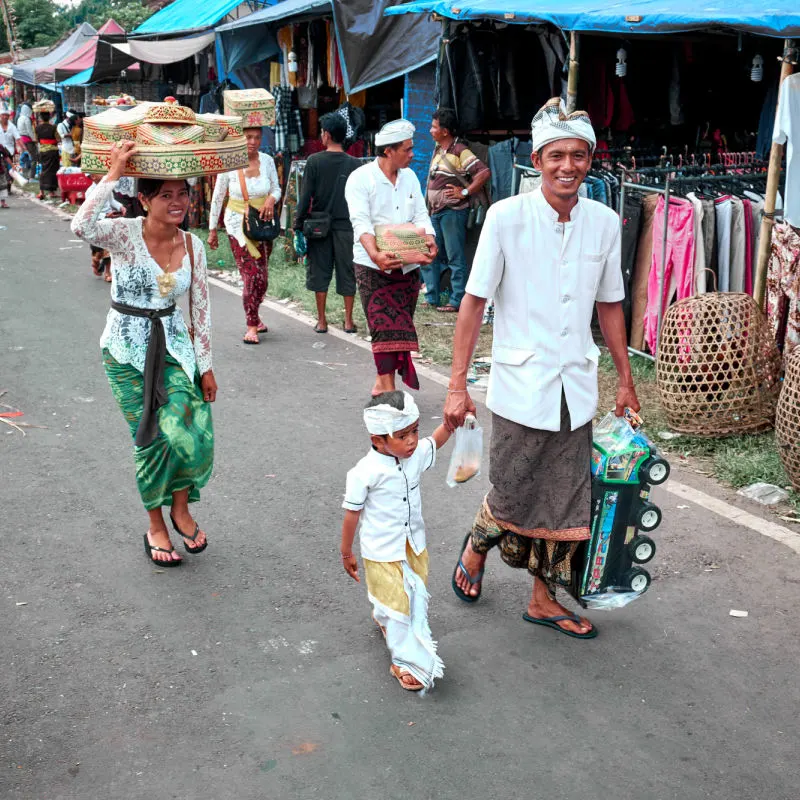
(161,379)
(252,258)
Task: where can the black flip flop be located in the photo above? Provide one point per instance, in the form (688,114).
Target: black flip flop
(250,341)
(551,622)
(149,548)
(193,550)
(351,330)
(460,593)
(317,329)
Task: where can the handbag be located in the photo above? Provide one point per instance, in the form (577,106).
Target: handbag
(317,225)
(255,228)
(478,202)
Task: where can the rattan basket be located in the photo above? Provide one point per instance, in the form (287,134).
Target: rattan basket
(718,368)
(787,419)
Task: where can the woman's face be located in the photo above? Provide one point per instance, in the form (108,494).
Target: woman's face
(170,205)
(253,136)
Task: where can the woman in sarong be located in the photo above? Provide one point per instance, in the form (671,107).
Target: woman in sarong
(160,375)
(48,156)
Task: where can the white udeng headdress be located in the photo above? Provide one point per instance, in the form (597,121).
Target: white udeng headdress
(552,123)
(395,132)
(385,419)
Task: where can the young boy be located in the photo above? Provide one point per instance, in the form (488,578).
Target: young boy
(382,501)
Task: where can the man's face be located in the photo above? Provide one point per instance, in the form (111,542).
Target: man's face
(563,164)
(437,131)
(401,155)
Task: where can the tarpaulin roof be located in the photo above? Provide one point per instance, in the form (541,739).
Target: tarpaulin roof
(83,58)
(40,70)
(779,18)
(373,49)
(182,16)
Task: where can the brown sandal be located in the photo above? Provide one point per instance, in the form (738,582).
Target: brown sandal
(402,676)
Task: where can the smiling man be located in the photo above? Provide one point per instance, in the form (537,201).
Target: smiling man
(547,258)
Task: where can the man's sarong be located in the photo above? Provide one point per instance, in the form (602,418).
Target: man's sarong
(389,301)
(182,454)
(397,591)
(539,506)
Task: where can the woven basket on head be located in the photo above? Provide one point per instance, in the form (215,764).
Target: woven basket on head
(787,419)
(718,367)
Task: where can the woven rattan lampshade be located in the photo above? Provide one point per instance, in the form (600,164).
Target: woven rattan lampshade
(787,419)
(718,367)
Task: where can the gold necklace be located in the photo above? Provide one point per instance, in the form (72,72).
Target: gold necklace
(166,279)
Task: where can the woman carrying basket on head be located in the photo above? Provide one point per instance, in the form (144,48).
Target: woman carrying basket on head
(255,187)
(161,377)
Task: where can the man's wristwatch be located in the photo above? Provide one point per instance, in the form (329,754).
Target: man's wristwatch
(465,192)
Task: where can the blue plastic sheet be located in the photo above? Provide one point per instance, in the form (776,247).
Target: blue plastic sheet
(780,18)
(187,15)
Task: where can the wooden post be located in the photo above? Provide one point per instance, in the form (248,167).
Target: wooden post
(773,180)
(574,64)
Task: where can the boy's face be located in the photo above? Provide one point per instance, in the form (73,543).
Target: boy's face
(400,444)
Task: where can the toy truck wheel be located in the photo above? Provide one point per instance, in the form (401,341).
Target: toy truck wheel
(655,470)
(642,549)
(648,517)
(637,579)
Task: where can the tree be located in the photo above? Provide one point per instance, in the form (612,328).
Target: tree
(127,13)
(39,23)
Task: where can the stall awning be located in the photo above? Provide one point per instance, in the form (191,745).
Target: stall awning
(40,70)
(166,51)
(185,16)
(373,48)
(779,18)
(84,58)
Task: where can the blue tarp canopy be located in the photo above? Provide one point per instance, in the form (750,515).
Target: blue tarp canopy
(251,39)
(183,16)
(372,49)
(780,18)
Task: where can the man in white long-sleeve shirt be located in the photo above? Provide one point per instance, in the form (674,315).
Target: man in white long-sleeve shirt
(386,192)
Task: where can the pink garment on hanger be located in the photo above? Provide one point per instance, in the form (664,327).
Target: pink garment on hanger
(748,245)
(679,267)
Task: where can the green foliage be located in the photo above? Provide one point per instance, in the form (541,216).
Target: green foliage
(41,23)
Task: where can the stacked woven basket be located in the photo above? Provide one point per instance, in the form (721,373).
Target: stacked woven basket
(787,419)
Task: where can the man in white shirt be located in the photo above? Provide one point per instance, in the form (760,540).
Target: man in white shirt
(386,192)
(9,141)
(64,130)
(547,258)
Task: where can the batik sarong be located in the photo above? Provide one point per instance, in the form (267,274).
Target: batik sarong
(182,455)
(539,506)
(399,597)
(389,301)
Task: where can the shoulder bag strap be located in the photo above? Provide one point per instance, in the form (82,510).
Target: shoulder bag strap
(246,198)
(189,245)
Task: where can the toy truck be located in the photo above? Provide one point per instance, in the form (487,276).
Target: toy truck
(625,465)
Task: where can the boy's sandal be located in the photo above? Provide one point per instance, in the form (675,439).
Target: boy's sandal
(405,678)
(150,548)
(552,622)
(460,593)
(193,550)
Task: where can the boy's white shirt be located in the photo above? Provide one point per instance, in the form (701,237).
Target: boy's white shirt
(386,491)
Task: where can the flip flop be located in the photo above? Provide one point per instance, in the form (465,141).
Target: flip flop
(460,593)
(251,341)
(354,329)
(552,622)
(317,329)
(149,549)
(398,673)
(262,328)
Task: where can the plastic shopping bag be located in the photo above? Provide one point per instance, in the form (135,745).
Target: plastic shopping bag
(465,463)
(17,178)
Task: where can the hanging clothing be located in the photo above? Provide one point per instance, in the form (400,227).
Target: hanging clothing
(641,271)
(738,246)
(787,130)
(783,286)
(631,227)
(724,213)
(699,265)
(677,271)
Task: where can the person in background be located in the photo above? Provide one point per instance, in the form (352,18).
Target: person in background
(456,175)
(11,144)
(101,258)
(48,156)
(64,131)
(323,191)
(27,137)
(384,192)
(252,258)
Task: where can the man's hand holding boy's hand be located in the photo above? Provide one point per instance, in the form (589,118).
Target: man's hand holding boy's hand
(351,567)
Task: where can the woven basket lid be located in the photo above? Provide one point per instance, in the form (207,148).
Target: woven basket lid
(170,113)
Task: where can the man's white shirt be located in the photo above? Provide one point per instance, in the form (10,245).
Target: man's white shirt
(545,277)
(373,199)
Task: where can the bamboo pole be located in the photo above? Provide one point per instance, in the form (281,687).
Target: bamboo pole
(574,64)
(773,179)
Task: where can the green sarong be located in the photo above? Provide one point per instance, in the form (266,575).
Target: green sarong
(182,455)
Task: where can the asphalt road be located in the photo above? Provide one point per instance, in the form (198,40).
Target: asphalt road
(254,671)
